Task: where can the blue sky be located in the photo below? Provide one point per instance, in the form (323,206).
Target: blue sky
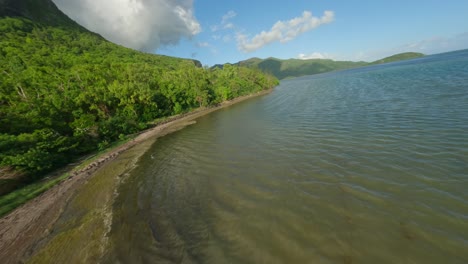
(360,30)
(217,32)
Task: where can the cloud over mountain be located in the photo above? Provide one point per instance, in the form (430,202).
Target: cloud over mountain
(314,55)
(140,24)
(284,31)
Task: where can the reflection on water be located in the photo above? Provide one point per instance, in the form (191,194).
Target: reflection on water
(361,166)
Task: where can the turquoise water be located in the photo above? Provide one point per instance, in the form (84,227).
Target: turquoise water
(360,166)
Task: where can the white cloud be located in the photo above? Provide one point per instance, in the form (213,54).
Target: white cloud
(229,15)
(284,31)
(203,44)
(225,24)
(140,24)
(229,26)
(314,55)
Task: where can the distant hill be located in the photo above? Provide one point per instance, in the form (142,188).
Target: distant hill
(283,69)
(290,68)
(399,57)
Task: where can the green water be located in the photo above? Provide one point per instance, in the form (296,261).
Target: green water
(360,166)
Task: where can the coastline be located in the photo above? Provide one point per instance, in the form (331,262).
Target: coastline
(23,228)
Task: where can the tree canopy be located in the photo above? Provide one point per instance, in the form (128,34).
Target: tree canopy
(65,91)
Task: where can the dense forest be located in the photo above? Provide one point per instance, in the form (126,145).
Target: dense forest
(65,91)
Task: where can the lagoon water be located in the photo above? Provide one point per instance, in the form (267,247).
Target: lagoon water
(367,165)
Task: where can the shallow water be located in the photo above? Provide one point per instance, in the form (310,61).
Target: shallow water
(361,166)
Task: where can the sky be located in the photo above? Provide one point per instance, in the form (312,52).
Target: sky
(217,32)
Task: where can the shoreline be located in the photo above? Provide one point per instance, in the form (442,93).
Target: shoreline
(25,226)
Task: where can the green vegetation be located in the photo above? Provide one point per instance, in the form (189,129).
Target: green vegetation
(18,197)
(283,69)
(66,92)
(39,11)
(399,57)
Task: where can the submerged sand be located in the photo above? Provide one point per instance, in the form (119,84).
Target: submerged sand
(23,228)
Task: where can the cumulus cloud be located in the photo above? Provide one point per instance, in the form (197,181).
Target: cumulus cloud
(284,31)
(314,55)
(140,24)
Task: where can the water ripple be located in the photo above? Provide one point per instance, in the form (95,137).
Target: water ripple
(361,166)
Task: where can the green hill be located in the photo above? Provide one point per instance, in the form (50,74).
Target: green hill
(399,57)
(65,91)
(283,69)
(294,67)
(290,68)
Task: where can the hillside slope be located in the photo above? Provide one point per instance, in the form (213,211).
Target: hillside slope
(40,11)
(65,91)
(399,57)
(294,67)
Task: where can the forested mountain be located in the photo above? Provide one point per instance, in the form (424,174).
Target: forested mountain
(283,69)
(399,57)
(295,67)
(290,68)
(40,11)
(65,91)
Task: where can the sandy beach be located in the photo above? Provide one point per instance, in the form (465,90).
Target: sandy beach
(24,227)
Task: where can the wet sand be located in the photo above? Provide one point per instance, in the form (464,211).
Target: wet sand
(24,227)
